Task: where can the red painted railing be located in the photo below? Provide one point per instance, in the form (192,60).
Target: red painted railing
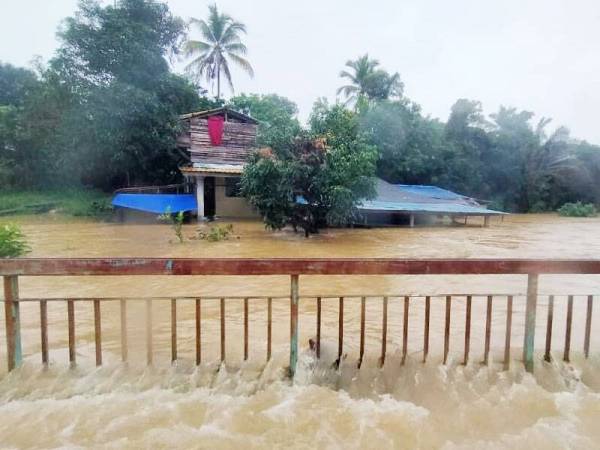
(12,269)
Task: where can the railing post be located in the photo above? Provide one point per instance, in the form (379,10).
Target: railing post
(530,310)
(293,324)
(13,321)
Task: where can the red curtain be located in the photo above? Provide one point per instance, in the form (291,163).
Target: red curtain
(215,129)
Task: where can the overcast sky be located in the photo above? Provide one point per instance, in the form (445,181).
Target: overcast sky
(539,55)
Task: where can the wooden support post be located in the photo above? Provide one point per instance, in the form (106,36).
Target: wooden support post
(362,330)
(588,327)
(340,329)
(507,336)
(467,329)
(97,332)
(222,307)
(530,310)
(566,356)
(447,328)
(71,326)
(269,326)
(412,220)
(486,221)
(246,329)
(149,350)
(294,297)
(198,332)
(547,356)
(13,321)
(488,330)
(44,330)
(124,349)
(318,349)
(200,196)
(405,330)
(173,330)
(426,331)
(384,331)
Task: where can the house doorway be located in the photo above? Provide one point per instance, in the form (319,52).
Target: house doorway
(209,197)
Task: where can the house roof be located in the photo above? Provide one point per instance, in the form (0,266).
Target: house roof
(219,112)
(422,199)
(227,169)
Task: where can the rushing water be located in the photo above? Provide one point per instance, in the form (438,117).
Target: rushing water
(253,405)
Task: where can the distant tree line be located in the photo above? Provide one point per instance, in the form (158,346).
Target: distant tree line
(103,112)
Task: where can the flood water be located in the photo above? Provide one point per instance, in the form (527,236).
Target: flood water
(253,404)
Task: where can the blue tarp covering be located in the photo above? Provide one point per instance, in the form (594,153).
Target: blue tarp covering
(157,203)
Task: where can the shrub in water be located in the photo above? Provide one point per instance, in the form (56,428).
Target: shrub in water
(176,221)
(578,209)
(216,233)
(12,242)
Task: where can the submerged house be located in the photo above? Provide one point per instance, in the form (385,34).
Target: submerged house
(218,143)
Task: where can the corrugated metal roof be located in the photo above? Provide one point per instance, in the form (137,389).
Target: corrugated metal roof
(429,208)
(213,168)
(219,112)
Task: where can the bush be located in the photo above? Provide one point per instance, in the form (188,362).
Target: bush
(216,233)
(176,221)
(12,242)
(578,209)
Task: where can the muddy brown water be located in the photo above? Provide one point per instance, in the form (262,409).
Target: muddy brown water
(252,403)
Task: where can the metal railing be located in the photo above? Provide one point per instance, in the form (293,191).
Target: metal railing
(12,269)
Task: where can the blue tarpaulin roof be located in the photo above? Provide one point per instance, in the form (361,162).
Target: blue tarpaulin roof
(157,203)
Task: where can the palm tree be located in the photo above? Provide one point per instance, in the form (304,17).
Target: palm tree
(369,82)
(362,70)
(221,45)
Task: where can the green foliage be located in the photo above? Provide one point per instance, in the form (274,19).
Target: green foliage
(578,209)
(12,242)
(216,233)
(368,82)
(221,45)
(318,180)
(277,118)
(74,202)
(176,222)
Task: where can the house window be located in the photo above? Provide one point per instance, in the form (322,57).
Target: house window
(232,187)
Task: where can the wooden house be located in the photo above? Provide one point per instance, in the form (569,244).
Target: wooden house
(218,142)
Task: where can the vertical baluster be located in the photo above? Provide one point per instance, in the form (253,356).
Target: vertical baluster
(547,356)
(173,330)
(447,329)
(222,304)
(245,329)
(488,330)
(362,330)
(71,326)
(588,326)
(467,330)
(44,330)
(149,350)
(530,312)
(97,332)
(426,331)
(13,321)
(384,331)
(198,331)
(509,308)
(405,330)
(318,327)
(294,301)
(269,326)
(124,349)
(568,331)
(340,330)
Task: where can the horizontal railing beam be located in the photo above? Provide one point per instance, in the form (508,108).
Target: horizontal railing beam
(285,266)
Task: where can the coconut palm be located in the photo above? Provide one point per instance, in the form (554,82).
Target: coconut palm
(369,82)
(221,45)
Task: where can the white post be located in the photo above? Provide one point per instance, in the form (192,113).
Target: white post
(200,196)
(412,220)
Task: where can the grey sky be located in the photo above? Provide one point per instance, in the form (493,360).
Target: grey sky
(539,55)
